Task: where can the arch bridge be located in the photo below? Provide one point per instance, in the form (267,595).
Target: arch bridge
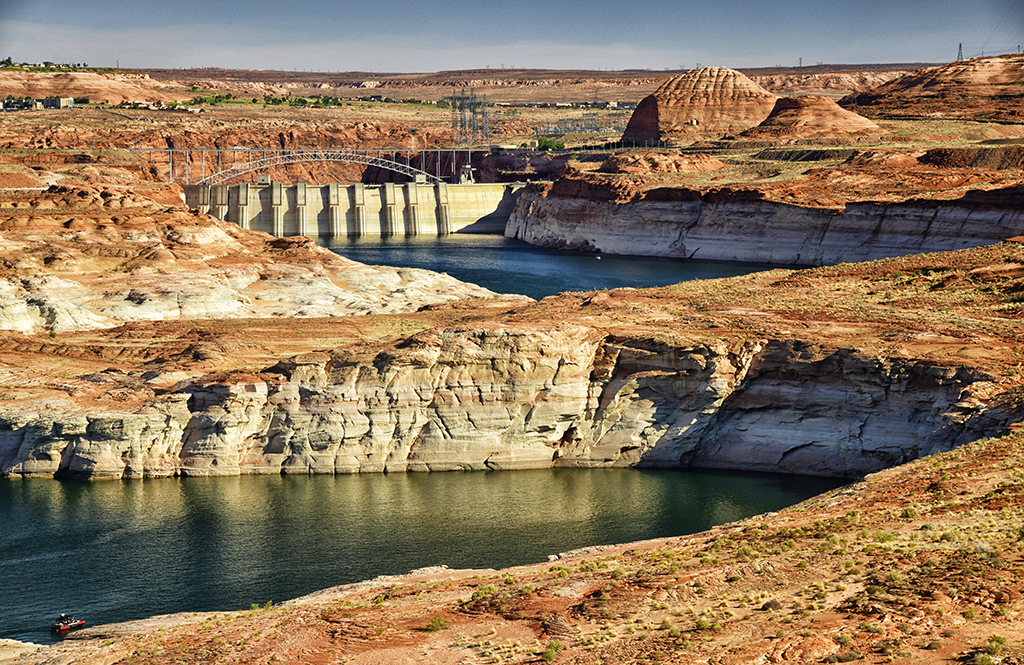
(216,166)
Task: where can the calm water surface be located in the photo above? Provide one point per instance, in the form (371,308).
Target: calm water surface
(115,551)
(512,266)
(120,550)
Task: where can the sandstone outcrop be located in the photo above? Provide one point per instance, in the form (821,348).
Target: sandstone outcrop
(97,87)
(742,226)
(830,83)
(77,257)
(811,116)
(709,100)
(520,397)
(653,161)
(990,86)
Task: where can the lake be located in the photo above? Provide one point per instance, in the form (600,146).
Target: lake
(115,551)
(119,550)
(505,265)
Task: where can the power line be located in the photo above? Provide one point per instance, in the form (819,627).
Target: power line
(1015,9)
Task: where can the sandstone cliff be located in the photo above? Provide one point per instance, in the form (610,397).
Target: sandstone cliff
(742,226)
(498,397)
(77,257)
(709,100)
(985,88)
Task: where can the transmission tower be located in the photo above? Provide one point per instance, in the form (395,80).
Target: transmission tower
(471,118)
(960,52)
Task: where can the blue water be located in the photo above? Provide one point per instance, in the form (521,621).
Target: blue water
(121,550)
(512,266)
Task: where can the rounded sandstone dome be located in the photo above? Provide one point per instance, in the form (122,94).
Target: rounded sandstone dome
(811,116)
(709,100)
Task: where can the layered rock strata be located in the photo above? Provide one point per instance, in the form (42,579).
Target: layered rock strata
(742,226)
(992,77)
(811,116)
(76,257)
(708,100)
(529,396)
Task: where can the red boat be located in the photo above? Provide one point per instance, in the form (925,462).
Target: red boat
(65,623)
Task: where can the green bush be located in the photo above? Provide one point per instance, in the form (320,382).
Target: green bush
(995,645)
(484,590)
(544,143)
(551,652)
(436,624)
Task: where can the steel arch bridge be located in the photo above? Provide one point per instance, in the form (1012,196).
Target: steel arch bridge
(215,166)
(280,158)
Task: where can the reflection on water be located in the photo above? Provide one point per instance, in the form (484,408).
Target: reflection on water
(512,266)
(114,551)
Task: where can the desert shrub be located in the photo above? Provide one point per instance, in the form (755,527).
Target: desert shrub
(551,652)
(436,624)
(484,590)
(995,645)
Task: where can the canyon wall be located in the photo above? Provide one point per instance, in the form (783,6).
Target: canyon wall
(742,226)
(530,396)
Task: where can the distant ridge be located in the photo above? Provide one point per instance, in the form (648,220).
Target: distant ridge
(290,76)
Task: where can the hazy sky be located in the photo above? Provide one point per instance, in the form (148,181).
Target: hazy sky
(428,35)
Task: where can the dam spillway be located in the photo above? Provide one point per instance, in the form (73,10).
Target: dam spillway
(335,210)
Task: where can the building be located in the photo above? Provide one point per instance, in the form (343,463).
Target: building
(28,104)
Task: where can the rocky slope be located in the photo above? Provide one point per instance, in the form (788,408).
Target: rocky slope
(111,88)
(691,375)
(81,257)
(989,88)
(709,100)
(831,84)
(600,216)
(654,161)
(514,398)
(811,116)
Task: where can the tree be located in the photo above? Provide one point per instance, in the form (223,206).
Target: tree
(7,62)
(544,143)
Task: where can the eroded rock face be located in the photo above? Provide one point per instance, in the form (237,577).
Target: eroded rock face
(986,88)
(811,116)
(78,257)
(654,161)
(741,226)
(709,100)
(521,397)
(977,77)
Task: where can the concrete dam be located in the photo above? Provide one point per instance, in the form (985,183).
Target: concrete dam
(334,210)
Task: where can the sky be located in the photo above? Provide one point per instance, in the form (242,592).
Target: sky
(429,35)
